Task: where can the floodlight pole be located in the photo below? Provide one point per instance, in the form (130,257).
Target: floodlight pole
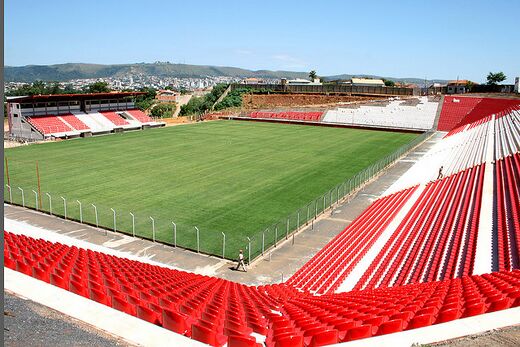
(198,240)
(133,224)
(298,221)
(64,206)
(174,234)
(50,203)
(223,245)
(275,235)
(95,211)
(10,193)
(23,197)
(114,212)
(35,199)
(287,229)
(153,228)
(80,211)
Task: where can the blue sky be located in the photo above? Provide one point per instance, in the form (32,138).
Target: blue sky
(421,38)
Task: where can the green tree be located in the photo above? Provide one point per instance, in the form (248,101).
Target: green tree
(164,110)
(469,85)
(389,83)
(144,102)
(495,78)
(313,75)
(97,87)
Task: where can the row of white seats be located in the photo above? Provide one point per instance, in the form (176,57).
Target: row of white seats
(454,154)
(507,135)
(393,115)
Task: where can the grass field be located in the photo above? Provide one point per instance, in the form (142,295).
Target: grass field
(227,176)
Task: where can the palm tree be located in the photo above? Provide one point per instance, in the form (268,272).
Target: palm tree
(313,75)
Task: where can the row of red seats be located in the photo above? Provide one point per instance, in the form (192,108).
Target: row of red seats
(74,122)
(140,116)
(216,311)
(453,111)
(457,112)
(436,239)
(114,118)
(487,107)
(49,124)
(330,266)
(507,207)
(290,115)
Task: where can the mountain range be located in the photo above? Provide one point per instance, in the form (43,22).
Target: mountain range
(69,71)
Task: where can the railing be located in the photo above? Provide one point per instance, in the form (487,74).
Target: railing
(179,233)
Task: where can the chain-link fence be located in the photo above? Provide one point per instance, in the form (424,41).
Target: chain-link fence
(182,234)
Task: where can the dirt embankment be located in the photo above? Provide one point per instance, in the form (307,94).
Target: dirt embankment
(259,101)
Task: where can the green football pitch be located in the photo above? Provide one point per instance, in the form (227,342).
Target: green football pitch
(231,177)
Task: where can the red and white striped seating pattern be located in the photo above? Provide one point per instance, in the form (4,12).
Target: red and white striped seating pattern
(437,238)
(217,311)
(74,121)
(507,207)
(140,116)
(329,267)
(114,118)
(49,124)
(458,112)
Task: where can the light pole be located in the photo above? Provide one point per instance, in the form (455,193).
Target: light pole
(50,203)
(133,224)
(174,234)
(114,212)
(95,211)
(64,206)
(223,245)
(23,197)
(35,199)
(80,212)
(153,229)
(198,240)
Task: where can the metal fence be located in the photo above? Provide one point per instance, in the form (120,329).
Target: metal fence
(181,234)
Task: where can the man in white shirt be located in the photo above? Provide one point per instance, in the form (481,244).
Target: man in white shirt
(241,261)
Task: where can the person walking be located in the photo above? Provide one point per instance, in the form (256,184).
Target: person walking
(241,261)
(440,172)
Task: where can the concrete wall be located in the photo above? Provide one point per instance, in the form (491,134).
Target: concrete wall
(331,88)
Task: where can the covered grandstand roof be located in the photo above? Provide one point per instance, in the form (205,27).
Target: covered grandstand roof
(60,97)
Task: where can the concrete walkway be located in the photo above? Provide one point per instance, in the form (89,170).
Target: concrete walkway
(284,261)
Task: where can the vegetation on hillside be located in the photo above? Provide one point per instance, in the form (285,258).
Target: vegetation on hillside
(164,110)
(199,105)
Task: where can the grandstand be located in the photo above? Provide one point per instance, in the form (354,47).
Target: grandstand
(439,247)
(413,114)
(40,117)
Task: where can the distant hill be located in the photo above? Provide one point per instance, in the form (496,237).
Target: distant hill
(65,72)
